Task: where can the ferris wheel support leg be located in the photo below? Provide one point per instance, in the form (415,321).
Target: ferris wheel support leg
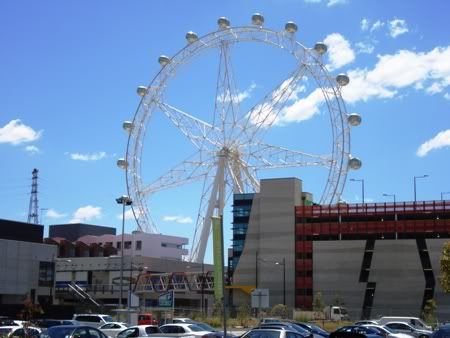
(216,201)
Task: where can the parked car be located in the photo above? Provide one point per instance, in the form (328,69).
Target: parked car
(269,320)
(46,323)
(191,328)
(72,331)
(442,332)
(388,332)
(367,322)
(288,326)
(113,328)
(182,320)
(93,320)
(18,331)
(314,329)
(271,333)
(413,321)
(368,332)
(138,331)
(408,329)
(147,319)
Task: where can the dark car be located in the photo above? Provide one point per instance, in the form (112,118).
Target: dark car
(46,323)
(314,329)
(362,330)
(72,331)
(442,332)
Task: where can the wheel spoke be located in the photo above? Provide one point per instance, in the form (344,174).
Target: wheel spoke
(265,156)
(187,171)
(197,131)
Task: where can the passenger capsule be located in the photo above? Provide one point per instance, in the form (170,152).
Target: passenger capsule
(342,80)
(257,19)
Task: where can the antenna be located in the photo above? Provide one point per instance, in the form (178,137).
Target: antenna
(33,211)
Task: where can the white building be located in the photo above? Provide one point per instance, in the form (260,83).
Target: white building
(144,244)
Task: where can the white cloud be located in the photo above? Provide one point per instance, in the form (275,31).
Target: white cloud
(239,96)
(336,2)
(396,71)
(376,26)
(15,132)
(339,51)
(435,88)
(128,214)
(178,219)
(447,96)
(303,109)
(52,213)
(364,24)
(364,48)
(441,140)
(88,157)
(85,214)
(397,27)
(32,149)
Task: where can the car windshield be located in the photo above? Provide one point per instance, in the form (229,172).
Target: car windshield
(206,327)
(262,334)
(298,328)
(344,311)
(196,328)
(317,328)
(57,332)
(108,319)
(4,331)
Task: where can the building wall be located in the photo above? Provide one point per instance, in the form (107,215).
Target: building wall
(152,245)
(73,231)
(270,238)
(21,231)
(19,269)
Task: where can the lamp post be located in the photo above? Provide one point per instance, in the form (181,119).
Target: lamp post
(444,193)
(415,191)
(390,195)
(284,278)
(362,186)
(124,200)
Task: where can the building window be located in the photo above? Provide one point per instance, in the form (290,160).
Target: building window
(127,245)
(46,275)
(138,245)
(109,244)
(119,245)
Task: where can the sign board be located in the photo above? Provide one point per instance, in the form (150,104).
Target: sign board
(260,298)
(166,299)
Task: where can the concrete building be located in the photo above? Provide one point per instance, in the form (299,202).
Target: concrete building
(26,264)
(377,259)
(143,244)
(73,231)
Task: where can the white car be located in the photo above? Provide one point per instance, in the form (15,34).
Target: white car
(138,331)
(182,320)
(18,331)
(408,329)
(112,329)
(191,328)
(388,332)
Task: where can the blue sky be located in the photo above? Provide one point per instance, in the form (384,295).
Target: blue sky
(70,72)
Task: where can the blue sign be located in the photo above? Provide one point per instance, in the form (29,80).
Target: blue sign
(166,299)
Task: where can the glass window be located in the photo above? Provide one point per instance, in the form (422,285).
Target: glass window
(118,245)
(95,334)
(138,245)
(46,273)
(127,245)
(151,329)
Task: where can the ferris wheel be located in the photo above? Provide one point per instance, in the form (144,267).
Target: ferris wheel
(229,150)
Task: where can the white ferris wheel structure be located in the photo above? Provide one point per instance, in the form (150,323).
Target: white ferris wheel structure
(229,149)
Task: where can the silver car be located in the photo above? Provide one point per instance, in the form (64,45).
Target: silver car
(408,329)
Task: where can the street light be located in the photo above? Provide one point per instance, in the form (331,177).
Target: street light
(284,278)
(444,193)
(390,195)
(362,186)
(415,191)
(124,200)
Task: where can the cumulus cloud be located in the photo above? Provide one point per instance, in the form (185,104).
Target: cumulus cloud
(85,214)
(364,48)
(397,27)
(128,214)
(15,132)
(88,157)
(339,51)
(441,140)
(178,219)
(52,213)
(32,149)
(376,26)
(239,96)
(421,70)
(364,24)
(336,2)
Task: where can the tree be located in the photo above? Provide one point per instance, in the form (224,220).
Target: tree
(243,314)
(318,305)
(429,311)
(445,268)
(218,308)
(279,310)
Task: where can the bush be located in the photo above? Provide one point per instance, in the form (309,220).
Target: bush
(279,310)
